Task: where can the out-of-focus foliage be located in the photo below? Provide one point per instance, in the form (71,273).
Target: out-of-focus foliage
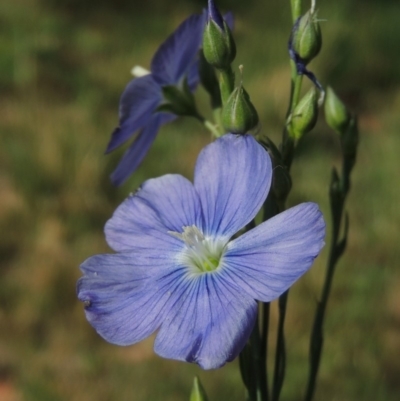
(63,66)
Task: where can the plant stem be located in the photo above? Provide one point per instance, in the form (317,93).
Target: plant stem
(212,128)
(226,84)
(296,9)
(280,357)
(338,192)
(258,363)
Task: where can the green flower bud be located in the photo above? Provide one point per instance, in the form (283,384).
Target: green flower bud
(218,45)
(239,115)
(305,114)
(307,39)
(178,100)
(198,393)
(336,114)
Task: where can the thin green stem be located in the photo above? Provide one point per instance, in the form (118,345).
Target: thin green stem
(258,370)
(226,84)
(280,357)
(212,128)
(316,340)
(296,9)
(338,195)
(287,149)
(218,119)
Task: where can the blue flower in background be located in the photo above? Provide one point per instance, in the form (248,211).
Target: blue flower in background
(178,270)
(175,60)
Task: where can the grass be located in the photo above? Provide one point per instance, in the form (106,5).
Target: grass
(63,66)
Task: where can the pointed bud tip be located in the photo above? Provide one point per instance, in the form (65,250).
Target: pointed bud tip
(215,15)
(336,114)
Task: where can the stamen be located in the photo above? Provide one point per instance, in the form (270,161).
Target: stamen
(202,253)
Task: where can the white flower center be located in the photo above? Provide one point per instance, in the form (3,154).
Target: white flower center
(202,254)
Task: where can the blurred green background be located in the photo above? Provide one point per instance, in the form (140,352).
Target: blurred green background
(63,66)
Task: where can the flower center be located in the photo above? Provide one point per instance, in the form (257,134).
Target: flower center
(201,253)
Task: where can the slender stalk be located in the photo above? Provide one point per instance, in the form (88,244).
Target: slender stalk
(226,84)
(338,193)
(217,118)
(280,357)
(212,128)
(316,340)
(288,147)
(296,9)
(258,371)
(259,341)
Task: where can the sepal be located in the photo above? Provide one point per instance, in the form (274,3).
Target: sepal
(178,100)
(305,115)
(239,115)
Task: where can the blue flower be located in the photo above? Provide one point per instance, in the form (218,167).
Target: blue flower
(179,271)
(175,60)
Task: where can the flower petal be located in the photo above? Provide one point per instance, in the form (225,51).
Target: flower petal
(229,19)
(209,324)
(268,259)
(138,101)
(125,294)
(138,149)
(232,178)
(162,204)
(174,57)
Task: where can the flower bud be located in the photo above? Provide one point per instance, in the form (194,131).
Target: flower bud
(336,114)
(306,38)
(218,45)
(305,115)
(198,393)
(239,115)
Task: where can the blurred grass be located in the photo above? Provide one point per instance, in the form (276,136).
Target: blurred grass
(63,66)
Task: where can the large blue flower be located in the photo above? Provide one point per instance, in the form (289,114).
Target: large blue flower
(177,269)
(175,60)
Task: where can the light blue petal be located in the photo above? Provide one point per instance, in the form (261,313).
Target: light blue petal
(126,295)
(175,56)
(139,148)
(138,101)
(163,204)
(268,259)
(209,324)
(232,178)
